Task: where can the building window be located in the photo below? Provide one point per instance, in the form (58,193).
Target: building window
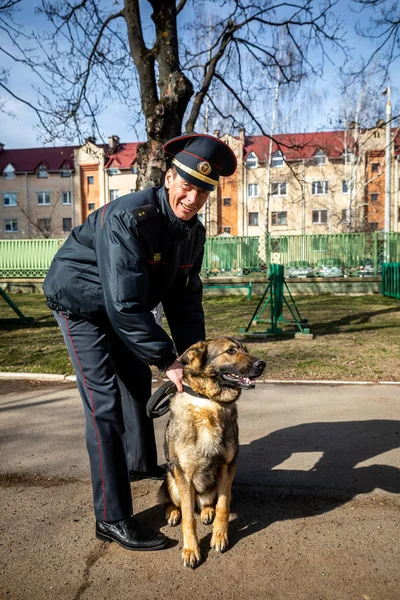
(9,199)
(10,225)
(134,170)
(319,216)
(253,218)
(277,159)
(345,215)
(65,173)
(345,187)
(226,201)
(226,229)
(374,197)
(348,157)
(90,180)
(319,188)
(114,195)
(320,158)
(279,244)
(91,206)
(375,167)
(43,198)
(42,173)
(373,226)
(44,225)
(112,172)
(252,190)
(252,161)
(279,188)
(66,197)
(279,218)
(67,225)
(9,172)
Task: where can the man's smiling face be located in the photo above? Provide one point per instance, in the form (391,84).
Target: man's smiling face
(185,199)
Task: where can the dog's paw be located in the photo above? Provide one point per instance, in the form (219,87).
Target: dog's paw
(191,557)
(219,540)
(207,515)
(173,516)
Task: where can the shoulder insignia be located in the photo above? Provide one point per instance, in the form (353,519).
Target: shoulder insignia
(142,213)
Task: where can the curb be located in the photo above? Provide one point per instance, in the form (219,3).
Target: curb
(72,378)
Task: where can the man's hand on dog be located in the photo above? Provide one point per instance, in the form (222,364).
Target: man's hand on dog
(175,374)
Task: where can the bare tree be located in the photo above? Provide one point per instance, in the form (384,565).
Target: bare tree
(141,54)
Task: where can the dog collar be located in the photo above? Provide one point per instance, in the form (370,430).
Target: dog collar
(158,404)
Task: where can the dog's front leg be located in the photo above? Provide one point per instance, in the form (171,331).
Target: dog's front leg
(219,540)
(191,551)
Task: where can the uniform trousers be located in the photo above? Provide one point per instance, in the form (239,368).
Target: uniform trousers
(114,386)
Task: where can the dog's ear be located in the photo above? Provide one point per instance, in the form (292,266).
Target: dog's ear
(194,358)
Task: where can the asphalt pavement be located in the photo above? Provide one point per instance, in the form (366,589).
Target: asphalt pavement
(315,511)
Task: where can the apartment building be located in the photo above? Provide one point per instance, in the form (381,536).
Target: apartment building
(45,192)
(321,182)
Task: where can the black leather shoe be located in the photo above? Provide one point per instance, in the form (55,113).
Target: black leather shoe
(129,534)
(159,473)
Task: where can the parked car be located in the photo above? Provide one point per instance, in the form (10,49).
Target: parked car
(329,267)
(365,269)
(300,268)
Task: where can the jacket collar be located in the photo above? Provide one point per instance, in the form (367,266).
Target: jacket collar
(176,227)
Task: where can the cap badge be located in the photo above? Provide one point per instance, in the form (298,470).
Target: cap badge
(204,167)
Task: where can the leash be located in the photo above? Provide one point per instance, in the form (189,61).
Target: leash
(158,404)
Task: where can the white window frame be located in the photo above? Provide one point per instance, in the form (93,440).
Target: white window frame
(345,187)
(348,157)
(113,171)
(253,187)
(42,172)
(324,188)
(43,196)
(278,212)
(280,190)
(134,170)
(320,158)
(68,196)
(9,172)
(319,211)
(278,160)
(10,221)
(8,195)
(114,194)
(252,161)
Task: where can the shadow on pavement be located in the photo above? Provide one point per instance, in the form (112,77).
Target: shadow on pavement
(263,493)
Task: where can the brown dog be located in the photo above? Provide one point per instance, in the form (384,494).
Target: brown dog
(201,440)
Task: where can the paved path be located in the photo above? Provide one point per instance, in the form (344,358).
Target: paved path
(315,509)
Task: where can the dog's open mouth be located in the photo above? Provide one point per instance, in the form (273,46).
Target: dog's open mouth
(239,380)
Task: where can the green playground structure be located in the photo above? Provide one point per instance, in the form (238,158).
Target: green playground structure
(274,298)
(21,317)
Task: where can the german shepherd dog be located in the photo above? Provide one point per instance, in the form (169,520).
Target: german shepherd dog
(201,440)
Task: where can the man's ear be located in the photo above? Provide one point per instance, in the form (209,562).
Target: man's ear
(168,178)
(194,358)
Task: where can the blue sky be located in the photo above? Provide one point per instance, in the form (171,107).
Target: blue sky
(19,131)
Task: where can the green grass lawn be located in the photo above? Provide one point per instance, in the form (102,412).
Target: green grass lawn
(355,337)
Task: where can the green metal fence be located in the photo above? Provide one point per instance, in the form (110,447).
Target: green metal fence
(391,279)
(353,254)
(27,258)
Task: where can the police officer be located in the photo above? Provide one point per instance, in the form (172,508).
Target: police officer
(141,249)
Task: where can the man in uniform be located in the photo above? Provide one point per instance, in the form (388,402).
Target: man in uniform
(135,252)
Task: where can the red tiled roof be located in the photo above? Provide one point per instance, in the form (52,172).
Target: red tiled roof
(29,159)
(124,157)
(299,146)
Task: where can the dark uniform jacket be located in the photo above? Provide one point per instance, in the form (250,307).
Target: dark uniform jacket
(127,257)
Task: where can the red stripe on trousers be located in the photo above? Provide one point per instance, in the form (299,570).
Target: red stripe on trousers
(93,419)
